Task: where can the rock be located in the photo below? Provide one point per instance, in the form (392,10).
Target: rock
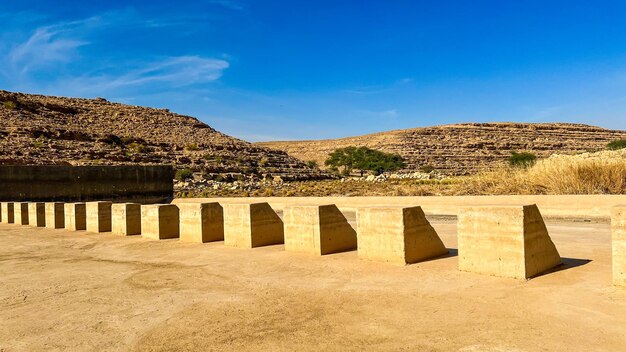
(463,148)
(55,130)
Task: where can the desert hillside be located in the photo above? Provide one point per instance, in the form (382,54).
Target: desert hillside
(463,148)
(36,129)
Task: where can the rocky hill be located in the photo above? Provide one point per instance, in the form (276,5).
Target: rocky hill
(463,148)
(36,129)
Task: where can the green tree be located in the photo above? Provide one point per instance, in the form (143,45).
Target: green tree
(184,174)
(364,159)
(523,159)
(616,145)
(312,164)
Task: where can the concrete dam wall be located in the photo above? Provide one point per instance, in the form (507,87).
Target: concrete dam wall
(52,183)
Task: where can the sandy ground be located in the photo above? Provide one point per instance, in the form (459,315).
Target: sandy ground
(64,290)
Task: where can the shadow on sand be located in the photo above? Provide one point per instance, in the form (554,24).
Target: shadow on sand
(566,263)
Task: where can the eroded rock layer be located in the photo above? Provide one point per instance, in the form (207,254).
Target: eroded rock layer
(463,148)
(37,129)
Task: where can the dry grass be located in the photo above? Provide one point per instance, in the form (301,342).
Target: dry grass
(594,173)
(597,173)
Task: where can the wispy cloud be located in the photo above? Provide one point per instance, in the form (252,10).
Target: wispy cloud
(48,45)
(56,50)
(173,72)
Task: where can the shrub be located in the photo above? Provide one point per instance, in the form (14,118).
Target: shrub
(191,147)
(38,143)
(427,169)
(312,164)
(11,105)
(184,174)
(522,159)
(136,148)
(263,161)
(616,145)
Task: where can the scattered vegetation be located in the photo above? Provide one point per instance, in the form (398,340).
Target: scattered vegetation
(364,159)
(9,104)
(312,164)
(38,143)
(184,174)
(427,169)
(598,173)
(135,148)
(523,160)
(191,147)
(617,144)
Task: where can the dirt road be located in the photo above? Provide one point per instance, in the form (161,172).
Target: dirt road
(64,290)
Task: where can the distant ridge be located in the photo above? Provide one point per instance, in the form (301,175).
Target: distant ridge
(39,129)
(460,149)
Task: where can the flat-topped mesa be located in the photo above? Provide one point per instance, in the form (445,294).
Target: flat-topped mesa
(463,148)
(397,235)
(506,241)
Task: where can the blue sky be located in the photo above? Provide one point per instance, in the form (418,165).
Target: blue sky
(274,70)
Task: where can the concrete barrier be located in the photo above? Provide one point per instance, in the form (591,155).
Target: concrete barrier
(252,225)
(75,216)
(507,241)
(398,235)
(37,214)
(98,216)
(7,212)
(552,206)
(201,222)
(618,234)
(160,221)
(126,219)
(21,213)
(317,229)
(55,215)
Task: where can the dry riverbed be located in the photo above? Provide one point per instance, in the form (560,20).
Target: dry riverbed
(74,291)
